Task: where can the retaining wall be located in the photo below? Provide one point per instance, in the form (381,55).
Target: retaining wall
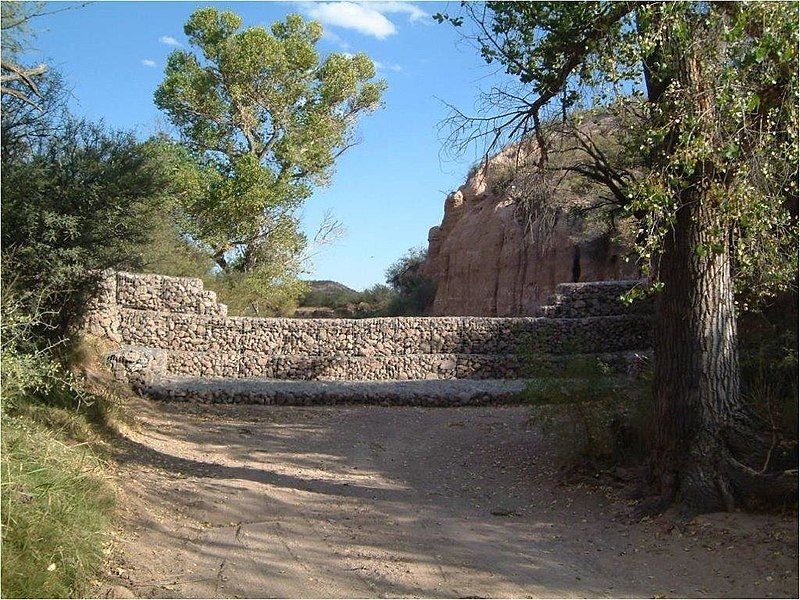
(169,326)
(595,299)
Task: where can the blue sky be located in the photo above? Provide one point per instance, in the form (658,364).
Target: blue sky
(388,191)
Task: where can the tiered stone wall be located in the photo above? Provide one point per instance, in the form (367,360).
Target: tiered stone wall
(595,299)
(171,326)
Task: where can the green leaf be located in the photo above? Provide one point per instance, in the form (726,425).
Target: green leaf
(263,119)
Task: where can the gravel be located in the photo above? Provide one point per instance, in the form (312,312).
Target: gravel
(442,392)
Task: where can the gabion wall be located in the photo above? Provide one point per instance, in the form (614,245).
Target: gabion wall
(172,326)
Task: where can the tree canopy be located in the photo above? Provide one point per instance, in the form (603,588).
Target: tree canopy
(741,130)
(263,119)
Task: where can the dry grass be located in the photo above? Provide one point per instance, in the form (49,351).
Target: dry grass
(56,506)
(57,501)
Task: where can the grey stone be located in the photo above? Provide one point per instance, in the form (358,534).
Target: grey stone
(168,326)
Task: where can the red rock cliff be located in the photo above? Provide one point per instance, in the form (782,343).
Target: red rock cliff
(490,258)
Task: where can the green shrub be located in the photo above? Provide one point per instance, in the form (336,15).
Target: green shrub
(376,301)
(76,204)
(415,291)
(26,366)
(597,416)
(36,371)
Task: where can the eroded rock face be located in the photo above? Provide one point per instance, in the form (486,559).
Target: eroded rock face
(488,258)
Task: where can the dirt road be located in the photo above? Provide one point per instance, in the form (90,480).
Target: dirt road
(258,501)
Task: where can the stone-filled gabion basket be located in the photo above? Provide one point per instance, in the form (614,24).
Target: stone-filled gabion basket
(173,327)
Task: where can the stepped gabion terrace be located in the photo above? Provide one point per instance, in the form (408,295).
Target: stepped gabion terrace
(171,329)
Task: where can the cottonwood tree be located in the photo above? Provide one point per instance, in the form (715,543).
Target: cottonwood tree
(262,119)
(712,92)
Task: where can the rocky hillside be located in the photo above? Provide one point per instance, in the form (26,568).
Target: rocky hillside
(327,299)
(326,286)
(511,233)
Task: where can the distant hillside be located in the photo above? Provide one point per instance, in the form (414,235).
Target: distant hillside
(326,286)
(323,292)
(333,300)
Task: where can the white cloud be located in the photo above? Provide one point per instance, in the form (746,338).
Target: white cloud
(414,12)
(380,66)
(351,15)
(169,40)
(148,63)
(368,18)
(333,38)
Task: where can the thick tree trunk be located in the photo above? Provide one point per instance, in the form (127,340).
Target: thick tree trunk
(710,451)
(705,441)
(696,365)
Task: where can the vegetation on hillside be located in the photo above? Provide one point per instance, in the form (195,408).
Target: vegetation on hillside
(409,293)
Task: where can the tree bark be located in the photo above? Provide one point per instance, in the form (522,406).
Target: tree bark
(709,449)
(696,365)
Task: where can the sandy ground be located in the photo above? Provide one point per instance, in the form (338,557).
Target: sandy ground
(259,501)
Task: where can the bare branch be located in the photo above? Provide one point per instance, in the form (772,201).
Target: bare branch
(19,95)
(42,13)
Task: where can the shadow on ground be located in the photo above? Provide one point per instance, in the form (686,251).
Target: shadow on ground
(255,501)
